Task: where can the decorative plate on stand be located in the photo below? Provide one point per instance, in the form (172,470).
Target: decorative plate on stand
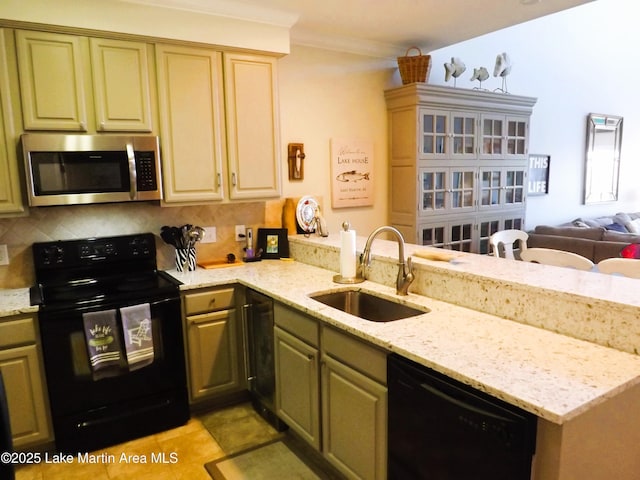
(306,212)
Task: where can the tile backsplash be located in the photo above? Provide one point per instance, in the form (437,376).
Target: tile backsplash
(80,221)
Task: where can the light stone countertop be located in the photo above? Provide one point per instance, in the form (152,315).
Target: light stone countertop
(553,376)
(15,301)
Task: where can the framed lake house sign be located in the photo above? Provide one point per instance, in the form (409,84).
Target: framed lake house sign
(351,173)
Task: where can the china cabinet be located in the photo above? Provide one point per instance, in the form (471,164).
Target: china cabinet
(458,164)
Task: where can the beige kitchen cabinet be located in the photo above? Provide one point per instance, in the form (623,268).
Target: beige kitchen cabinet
(191,107)
(458,163)
(11,199)
(297,375)
(213,343)
(75,83)
(23,375)
(253,129)
(340,410)
(354,406)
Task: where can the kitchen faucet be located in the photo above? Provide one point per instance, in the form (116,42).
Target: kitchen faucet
(405,270)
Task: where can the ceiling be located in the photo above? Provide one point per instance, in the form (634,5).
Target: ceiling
(381,28)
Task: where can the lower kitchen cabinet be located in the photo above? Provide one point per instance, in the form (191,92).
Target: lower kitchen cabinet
(21,367)
(296,361)
(342,409)
(213,344)
(354,406)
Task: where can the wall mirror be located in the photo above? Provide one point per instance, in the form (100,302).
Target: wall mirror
(604,138)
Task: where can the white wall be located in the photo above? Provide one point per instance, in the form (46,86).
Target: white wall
(580,61)
(325,95)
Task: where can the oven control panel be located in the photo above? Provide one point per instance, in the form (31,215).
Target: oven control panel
(106,250)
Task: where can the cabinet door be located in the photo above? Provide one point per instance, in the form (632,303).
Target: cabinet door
(297,395)
(504,137)
(121,85)
(213,353)
(52,81)
(453,234)
(502,187)
(10,192)
(24,384)
(252,126)
(191,123)
(489,226)
(354,421)
(447,190)
(434,138)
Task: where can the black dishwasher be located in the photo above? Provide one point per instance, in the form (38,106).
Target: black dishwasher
(441,429)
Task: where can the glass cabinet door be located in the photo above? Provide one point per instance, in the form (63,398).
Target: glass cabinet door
(447,190)
(463,135)
(435,132)
(455,235)
(492,136)
(502,186)
(517,136)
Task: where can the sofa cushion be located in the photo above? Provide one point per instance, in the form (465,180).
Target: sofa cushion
(616,227)
(610,236)
(577,245)
(592,233)
(596,222)
(602,250)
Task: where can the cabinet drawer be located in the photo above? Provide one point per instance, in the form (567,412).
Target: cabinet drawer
(295,322)
(209,301)
(363,357)
(17,331)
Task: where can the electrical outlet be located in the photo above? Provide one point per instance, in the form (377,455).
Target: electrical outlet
(4,255)
(209,235)
(241,233)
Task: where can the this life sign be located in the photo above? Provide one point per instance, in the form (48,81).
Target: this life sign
(539,174)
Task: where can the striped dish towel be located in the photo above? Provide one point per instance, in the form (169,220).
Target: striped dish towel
(100,330)
(136,323)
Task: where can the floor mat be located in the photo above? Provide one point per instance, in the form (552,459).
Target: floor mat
(266,462)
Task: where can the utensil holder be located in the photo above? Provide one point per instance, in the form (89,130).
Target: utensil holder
(185,259)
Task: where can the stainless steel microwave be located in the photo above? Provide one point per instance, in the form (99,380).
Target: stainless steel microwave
(75,169)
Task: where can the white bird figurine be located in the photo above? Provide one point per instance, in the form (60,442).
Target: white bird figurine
(480,74)
(502,69)
(454,69)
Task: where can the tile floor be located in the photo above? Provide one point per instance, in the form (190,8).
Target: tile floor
(186,449)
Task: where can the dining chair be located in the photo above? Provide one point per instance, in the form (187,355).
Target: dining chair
(504,240)
(559,258)
(627,267)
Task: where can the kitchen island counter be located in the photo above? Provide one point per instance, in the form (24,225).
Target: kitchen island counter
(554,376)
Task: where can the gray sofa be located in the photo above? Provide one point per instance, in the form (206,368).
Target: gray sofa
(596,239)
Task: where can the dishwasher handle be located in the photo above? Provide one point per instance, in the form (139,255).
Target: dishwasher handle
(463,405)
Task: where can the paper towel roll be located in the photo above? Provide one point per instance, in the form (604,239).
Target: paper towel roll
(348,253)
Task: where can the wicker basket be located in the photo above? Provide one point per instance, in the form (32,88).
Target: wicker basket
(415,68)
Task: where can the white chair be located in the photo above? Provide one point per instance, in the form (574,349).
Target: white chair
(559,258)
(628,267)
(505,239)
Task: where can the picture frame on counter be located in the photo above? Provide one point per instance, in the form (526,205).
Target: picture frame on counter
(273,243)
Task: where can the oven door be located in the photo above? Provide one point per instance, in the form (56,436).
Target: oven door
(91,410)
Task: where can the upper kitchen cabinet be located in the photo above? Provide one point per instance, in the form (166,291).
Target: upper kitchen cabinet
(10,192)
(121,85)
(251,95)
(218,125)
(83,84)
(191,103)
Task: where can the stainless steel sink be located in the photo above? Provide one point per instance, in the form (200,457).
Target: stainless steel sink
(367,306)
